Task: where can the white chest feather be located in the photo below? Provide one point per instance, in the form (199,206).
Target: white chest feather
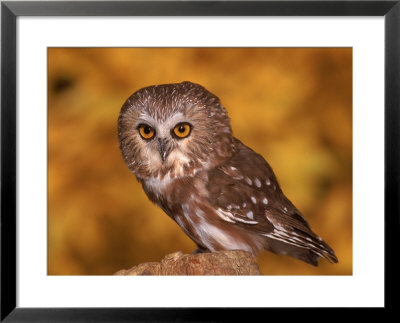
(159,186)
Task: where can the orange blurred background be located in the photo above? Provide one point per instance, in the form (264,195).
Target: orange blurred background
(291,105)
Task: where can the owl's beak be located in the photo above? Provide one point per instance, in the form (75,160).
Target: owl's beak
(163,146)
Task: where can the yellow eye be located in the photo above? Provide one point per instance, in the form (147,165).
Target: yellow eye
(182,130)
(146,132)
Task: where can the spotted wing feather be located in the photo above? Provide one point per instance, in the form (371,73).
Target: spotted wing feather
(246,192)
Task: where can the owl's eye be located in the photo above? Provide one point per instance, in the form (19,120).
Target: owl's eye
(182,130)
(146,132)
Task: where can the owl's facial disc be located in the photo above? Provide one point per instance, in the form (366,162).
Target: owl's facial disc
(164,137)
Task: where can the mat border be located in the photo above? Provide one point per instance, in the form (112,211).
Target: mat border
(11,10)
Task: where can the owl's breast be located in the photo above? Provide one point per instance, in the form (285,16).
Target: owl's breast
(157,190)
(190,202)
(170,193)
(157,186)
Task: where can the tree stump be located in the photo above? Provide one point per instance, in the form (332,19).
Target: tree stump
(235,262)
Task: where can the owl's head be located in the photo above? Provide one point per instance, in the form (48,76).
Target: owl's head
(175,129)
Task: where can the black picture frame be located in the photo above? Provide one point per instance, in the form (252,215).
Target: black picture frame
(11,10)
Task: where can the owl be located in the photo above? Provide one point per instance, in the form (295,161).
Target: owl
(177,140)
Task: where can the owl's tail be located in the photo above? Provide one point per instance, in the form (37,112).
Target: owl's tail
(301,245)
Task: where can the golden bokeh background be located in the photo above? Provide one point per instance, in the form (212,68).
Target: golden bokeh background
(291,105)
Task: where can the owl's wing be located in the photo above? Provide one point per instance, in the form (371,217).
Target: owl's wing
(245,191)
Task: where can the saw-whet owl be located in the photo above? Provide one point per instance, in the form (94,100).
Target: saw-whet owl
(177,140)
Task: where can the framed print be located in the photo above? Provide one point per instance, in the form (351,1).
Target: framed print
(310,86)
